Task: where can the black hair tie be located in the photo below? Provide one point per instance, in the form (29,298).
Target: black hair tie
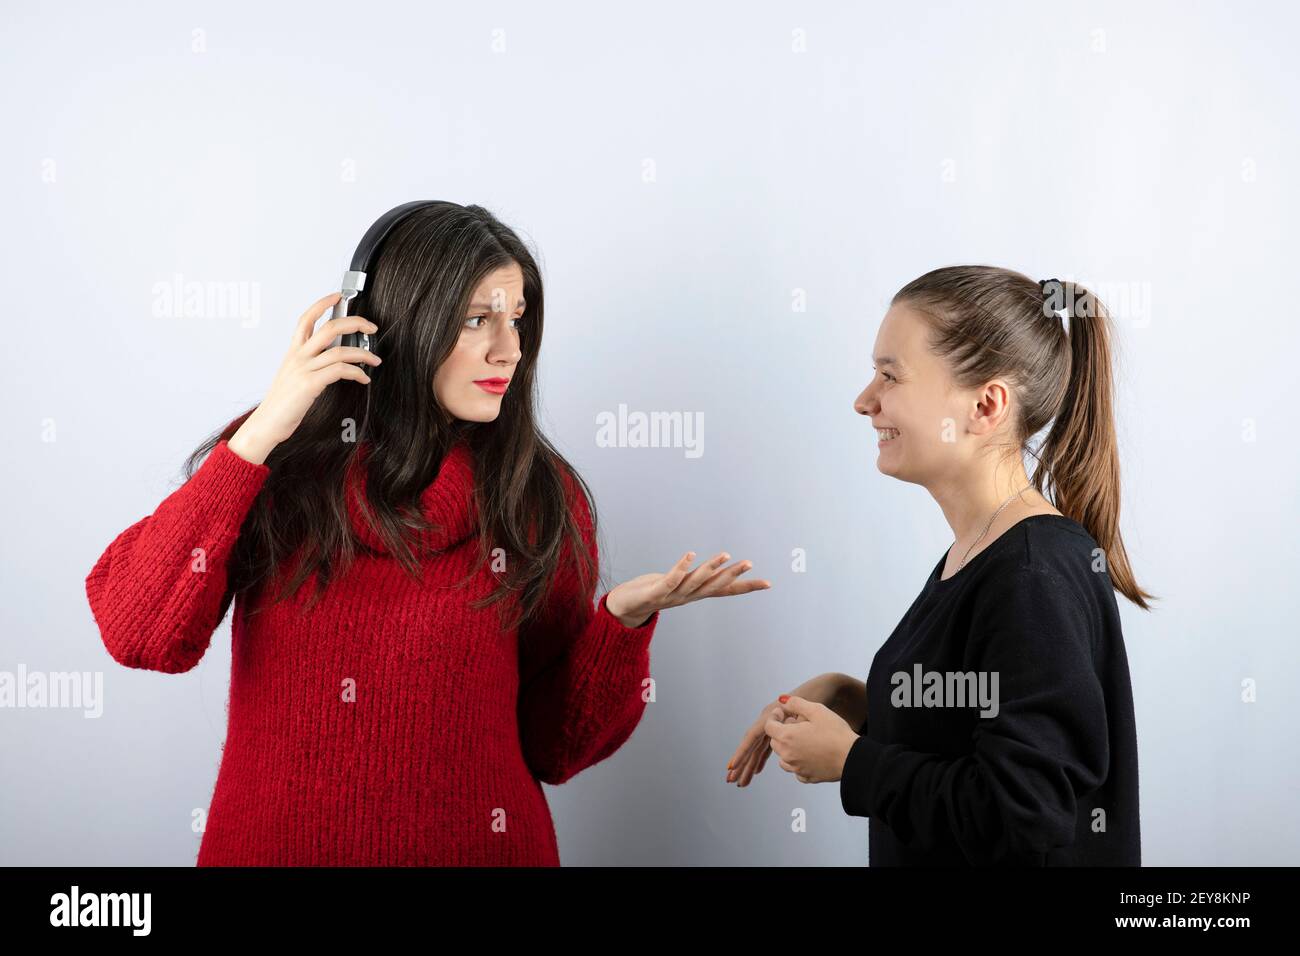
(1054,299)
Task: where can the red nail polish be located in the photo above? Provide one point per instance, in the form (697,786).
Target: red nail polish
(783,698)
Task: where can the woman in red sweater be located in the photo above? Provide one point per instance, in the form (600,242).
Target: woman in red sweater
(413,568)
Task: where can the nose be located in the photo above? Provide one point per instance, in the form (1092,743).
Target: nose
(504,347)
(865,403)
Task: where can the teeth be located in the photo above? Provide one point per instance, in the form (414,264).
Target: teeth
(887,433)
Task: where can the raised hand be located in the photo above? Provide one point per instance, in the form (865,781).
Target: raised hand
(305,372)
(632,602)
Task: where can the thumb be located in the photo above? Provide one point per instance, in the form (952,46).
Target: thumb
(794,705)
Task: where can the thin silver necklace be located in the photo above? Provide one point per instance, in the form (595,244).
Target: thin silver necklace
(987,526)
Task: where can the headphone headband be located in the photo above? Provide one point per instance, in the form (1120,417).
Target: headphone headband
(379,230)
(354,280)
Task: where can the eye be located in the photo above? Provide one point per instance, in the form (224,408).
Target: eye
(472,321)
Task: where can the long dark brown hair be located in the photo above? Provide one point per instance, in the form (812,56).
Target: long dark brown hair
(987,322)
(417,291)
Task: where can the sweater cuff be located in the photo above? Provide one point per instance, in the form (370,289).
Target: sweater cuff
(234,464)
(228,484)
(611,622)
(857,776)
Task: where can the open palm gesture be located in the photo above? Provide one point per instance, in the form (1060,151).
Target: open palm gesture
(634,601)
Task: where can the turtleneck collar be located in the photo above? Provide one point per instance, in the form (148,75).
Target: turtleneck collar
(448,502)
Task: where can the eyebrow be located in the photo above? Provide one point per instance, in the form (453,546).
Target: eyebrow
(887,360)
(487,306)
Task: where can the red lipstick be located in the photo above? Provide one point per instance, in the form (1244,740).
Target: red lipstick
(497,386)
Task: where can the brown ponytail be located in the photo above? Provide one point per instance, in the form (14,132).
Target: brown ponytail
(1080,456)
(988,322)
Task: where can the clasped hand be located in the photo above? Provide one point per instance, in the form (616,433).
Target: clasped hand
(809,739)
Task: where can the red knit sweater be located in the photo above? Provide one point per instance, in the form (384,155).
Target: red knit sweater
(391,724)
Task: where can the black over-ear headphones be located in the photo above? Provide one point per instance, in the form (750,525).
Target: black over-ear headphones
(354,280)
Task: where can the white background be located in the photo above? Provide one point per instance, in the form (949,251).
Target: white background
(1127,146)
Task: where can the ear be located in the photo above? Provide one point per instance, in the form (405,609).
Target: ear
(992,406)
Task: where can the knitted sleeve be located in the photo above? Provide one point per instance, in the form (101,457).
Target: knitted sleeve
(582,674)
(1016,794)
(159,591)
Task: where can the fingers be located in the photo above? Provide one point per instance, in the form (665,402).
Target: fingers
(746,769)
(701,574)
(754,747)
(307,321)
(332,373)
(724,583)
(343,353)
(709,579)
(740,587)
(758,757)
(677,572)
(328,330)
(746,745)
(750,765)
(798,777)
(741,757)
(684,586)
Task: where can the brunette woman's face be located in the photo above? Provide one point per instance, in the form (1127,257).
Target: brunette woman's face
(913,400)
(472,381)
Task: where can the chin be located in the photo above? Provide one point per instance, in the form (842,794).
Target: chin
(479,412)
(891,470)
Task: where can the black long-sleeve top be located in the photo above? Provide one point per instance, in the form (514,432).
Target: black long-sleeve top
(1051,778)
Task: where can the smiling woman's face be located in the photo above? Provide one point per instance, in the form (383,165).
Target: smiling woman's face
(912,396)
(488,349)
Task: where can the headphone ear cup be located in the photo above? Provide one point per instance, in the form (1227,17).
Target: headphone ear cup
(358,277)
(357,340)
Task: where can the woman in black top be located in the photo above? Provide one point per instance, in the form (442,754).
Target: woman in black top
(996,723)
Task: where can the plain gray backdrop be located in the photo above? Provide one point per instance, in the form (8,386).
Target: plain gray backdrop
(724,198)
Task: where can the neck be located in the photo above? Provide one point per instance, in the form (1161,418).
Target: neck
(970,497)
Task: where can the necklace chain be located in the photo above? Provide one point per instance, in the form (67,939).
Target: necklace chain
(987,526)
